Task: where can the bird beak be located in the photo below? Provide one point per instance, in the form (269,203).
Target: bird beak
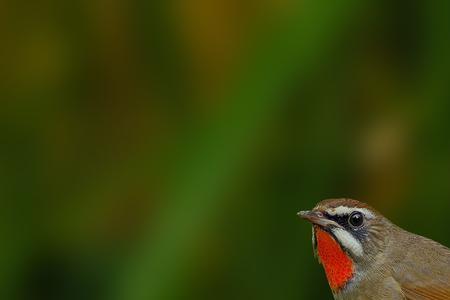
(316,218)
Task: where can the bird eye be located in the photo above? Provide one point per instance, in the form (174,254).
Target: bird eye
(356,219)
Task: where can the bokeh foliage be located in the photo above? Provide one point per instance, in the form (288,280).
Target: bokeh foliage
(160,149)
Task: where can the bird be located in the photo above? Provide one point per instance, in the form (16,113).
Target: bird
(365,256)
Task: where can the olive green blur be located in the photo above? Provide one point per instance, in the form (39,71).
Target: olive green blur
(161,149)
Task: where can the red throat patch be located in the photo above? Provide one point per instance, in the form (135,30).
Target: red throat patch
(338,266)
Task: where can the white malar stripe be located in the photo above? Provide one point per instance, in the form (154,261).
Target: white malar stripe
(349,242)
(344,210)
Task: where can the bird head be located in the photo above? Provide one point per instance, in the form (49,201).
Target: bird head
(348,237)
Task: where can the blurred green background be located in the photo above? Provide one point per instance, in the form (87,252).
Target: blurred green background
(161,149)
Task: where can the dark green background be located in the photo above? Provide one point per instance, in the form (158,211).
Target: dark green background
(161,149)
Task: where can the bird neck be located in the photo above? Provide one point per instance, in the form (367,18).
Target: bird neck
(338,265)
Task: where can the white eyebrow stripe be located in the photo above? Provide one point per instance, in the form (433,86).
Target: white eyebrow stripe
(348,241)
(344,210)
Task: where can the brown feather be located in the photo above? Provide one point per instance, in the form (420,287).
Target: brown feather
(426,293)
(425,272)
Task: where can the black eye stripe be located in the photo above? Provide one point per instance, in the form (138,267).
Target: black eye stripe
(359,233)
(344,220)
(340,219)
